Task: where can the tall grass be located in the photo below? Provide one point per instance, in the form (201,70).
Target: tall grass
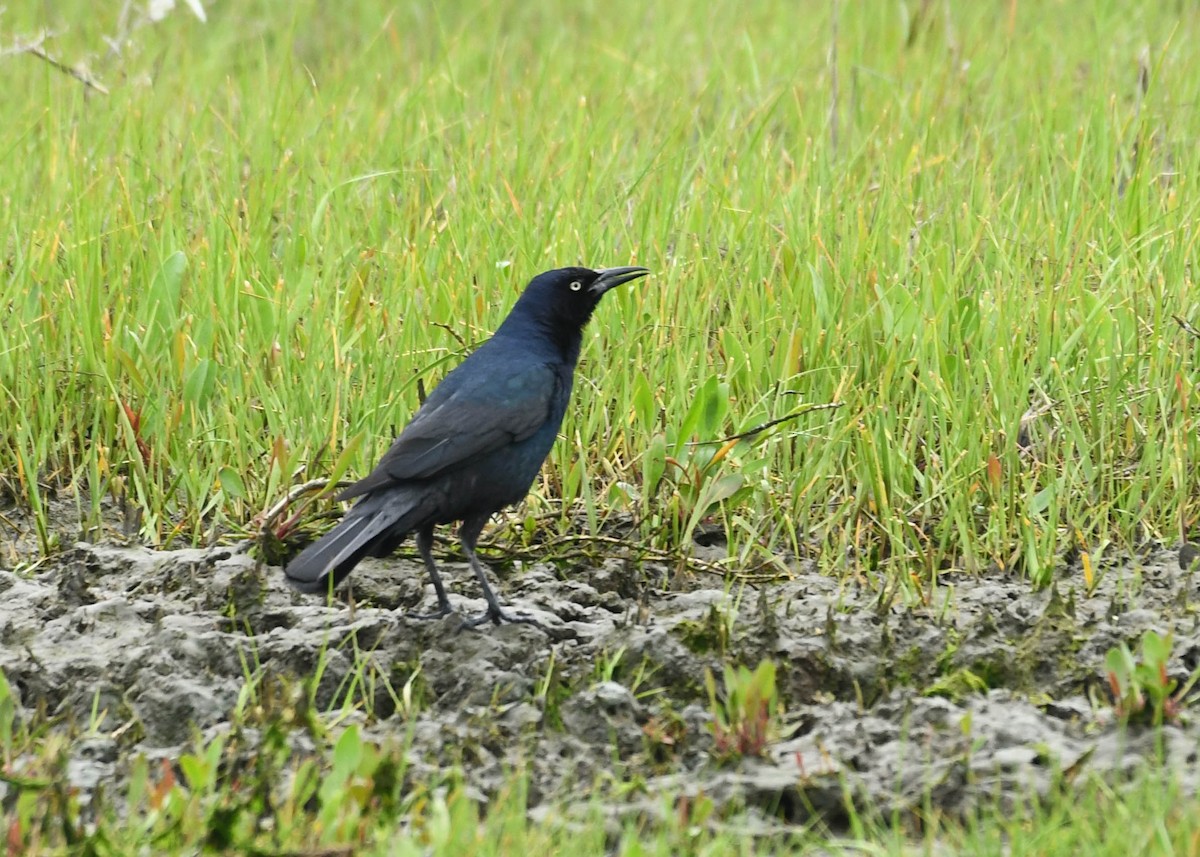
(232,271)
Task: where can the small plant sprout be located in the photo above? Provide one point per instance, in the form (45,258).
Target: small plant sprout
(1142,690)
(746,717)
(608,664)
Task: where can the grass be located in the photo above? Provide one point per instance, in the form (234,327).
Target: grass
(232,272)
(969,229)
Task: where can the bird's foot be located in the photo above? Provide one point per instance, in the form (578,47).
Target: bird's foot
(443,610)
(500,617)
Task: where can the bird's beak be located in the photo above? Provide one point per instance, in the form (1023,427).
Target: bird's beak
(610,277)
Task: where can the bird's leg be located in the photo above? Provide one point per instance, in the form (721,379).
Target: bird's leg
(425,546)
(469,534)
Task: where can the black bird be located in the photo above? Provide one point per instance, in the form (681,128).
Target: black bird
(475,445)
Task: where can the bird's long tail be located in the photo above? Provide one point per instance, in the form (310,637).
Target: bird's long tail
(338,551)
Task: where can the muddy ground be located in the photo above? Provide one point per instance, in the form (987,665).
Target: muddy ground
(988,692)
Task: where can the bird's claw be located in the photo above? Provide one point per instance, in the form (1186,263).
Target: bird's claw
(500,617)
(441,612)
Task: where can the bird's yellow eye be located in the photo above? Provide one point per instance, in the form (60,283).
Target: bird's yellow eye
(576,285)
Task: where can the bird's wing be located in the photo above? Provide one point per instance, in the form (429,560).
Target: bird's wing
(468,415)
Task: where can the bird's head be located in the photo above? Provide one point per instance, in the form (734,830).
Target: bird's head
(565,297)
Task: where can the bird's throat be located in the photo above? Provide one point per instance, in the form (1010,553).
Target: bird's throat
(561,342)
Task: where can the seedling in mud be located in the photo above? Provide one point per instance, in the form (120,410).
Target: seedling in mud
(1142,691)
(607,665)
(664,734)
(715,633)
(552,692)
(692,813)
(746,719)
(611,667)
(8,719)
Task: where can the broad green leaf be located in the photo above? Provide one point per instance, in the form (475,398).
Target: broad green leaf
(705,414)
(163,299)
(1041,500)
(231,483)
(715,406)
(654,463)
(644,405)
(1155,648)
(720,489)
(200,383)
(195,772)
(346,457)
(347,754)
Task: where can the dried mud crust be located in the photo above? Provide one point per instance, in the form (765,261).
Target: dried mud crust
(984,693)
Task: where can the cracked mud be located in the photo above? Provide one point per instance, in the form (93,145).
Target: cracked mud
(990,690)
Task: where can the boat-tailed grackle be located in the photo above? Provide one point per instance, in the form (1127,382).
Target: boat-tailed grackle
(475,445)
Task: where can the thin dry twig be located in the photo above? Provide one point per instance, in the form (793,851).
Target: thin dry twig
(23,47)
(759,429)
(269,517)
(79,74)
(1187,326)
(35,48)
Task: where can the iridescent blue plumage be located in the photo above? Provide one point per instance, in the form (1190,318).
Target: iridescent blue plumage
(476,444)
